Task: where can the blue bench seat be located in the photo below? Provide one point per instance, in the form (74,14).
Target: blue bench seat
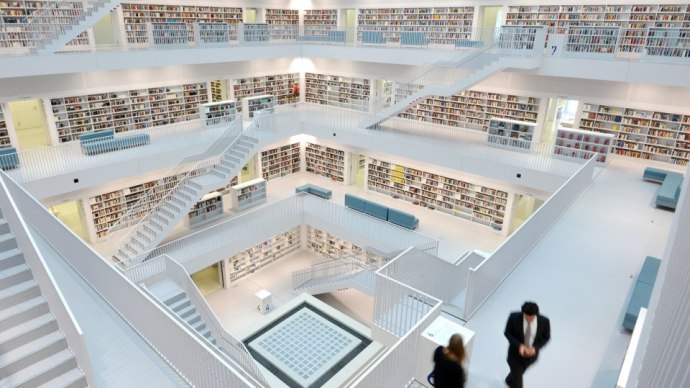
(384,213)
(669,192)
(8,158)
(642,293)
(105,141)
(315,190)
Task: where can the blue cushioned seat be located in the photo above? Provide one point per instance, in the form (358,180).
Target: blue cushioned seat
(467,43)
(650,268)
(8,158)
(403,219)
(376,210)
(354,202)
(642,293)
(314,190)
(654,174)
(99,144)
(669,192)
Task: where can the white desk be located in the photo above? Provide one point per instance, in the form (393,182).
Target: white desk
(437,334)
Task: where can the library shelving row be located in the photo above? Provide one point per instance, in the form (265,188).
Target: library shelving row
(441,25)
(579,144)
(137,16)
(641,133)
(250,105)
(332,246)
(343,92)
(248,194)
(318,21)
(219,112)
(284,23)
(280,161)
(278,85)
(16,14)
(262,254)
(126,110)
(477,203)
(4,133)
(592,39)
(641,25)
(325,161)
(473,109)
(219,90)
(209,208)
(511,133)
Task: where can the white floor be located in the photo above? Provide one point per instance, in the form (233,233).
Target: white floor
(580,273)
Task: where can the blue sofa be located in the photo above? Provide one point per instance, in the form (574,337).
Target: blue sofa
(384,213)
(314,190)
(642,292)
(669,192)
(105,141)
(9,158)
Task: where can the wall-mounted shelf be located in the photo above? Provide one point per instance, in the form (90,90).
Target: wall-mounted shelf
(343,92)
(319,21)
(325,161)
(262,254)
(126,110)
(332,246)
(510,133)
(209,208)
(248,194)
(281,161)
(278,85)
(578,144)
(480,204)
(441,25)
(250,105)
(284,23)
(473,109)
(4,134)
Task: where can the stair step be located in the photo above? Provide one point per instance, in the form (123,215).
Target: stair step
(22,312)
(11,258)
(74,378)
(4,226)
(22,334)
(179,303)
(193,319)
(42,371)
(18,293)
(14,275)
(186,311)
(20,357)
(7,242)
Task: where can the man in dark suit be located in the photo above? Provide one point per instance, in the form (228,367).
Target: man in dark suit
(527,332)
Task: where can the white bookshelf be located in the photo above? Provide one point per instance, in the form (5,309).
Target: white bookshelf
(325,161)
(473,109)
(284,23)
(668,42)
(331,246)
(136,17)
(511,133)
(640,133)
(219,90)
(263,254)
(343,92)
(16,14)
(4,133)
(278,85)
(319,21)
(592,39)
(209,208)
(441,25)
(126,110)
(250,105)
(579,144)
(219,112)
(280,161)
(256,32)
(248,194)
(473,202)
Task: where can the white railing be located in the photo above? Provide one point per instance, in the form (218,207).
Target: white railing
(406,321)
(332,270)
(46,162)
(248,229)
(485,278)
(46,283)
(228,344)
(186,354)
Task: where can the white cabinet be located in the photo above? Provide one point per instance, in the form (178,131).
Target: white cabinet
(219,112)
(209,208)
(248,194)
(250,105)
(511,134)
(579,144)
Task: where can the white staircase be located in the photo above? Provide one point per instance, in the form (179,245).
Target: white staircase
(403,314)
(60,22)
(178,302)
(335,275)
(178,201)
(33,350)
(520,49)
